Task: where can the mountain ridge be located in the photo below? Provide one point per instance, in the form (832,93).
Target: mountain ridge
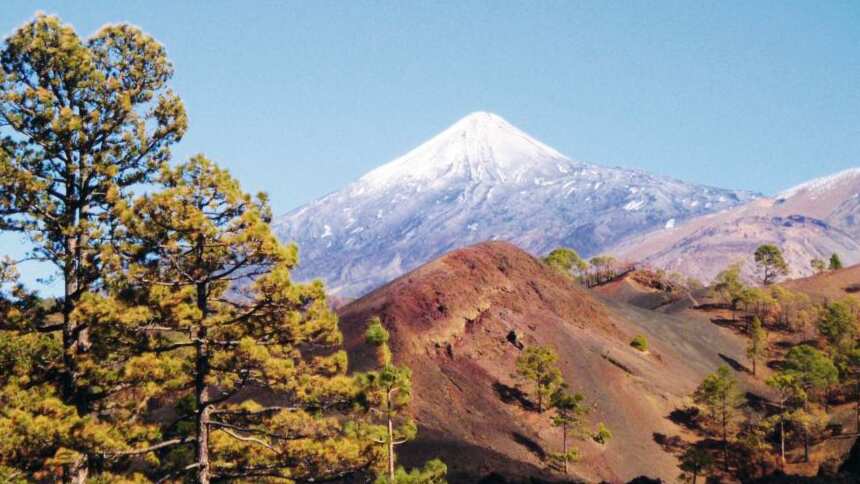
(811,220)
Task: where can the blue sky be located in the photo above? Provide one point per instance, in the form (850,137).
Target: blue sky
(299,98)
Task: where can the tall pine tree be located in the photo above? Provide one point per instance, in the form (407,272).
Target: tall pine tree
(264,378)
(82,122)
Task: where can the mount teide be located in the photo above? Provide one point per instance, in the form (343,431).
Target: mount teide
(481,179)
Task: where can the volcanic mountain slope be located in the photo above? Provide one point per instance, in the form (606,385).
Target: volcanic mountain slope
(812,220)
(460,321)
(830,285)
(481,179)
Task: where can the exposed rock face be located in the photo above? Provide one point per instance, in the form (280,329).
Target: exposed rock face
(812,220)
(460,321)
(481,179)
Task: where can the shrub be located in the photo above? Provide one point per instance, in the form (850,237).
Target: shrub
(602,435)
(640,342)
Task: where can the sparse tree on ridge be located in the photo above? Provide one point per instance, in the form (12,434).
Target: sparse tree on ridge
(82,123)
(603,268)
(538,365)
(818,265)
(566,261)
(770,262)
(835,262)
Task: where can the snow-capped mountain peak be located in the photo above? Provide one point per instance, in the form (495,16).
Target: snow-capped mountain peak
(481,179)
(479,146)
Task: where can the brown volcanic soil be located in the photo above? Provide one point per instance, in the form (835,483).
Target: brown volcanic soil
(830,285)
(450,320)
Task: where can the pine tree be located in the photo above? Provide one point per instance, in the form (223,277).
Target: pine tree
(264,378)
(770,263)
(818,265)
(835,262)
(695,462)
(537,364)
(570,410)
(789,391)
(566,261)
(82,122)
(729,286)
(718,393)
(757,346)
(838,325)
(849,370)
(805,372)
(813,370)
(386,395)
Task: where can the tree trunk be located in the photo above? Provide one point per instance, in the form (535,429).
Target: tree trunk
(204,408)
(564,444)
(390,443)
(805,445)
(204,473)
(76,472)
(782,439)
(725,440)
(857,408)
(754,360)
(695,476)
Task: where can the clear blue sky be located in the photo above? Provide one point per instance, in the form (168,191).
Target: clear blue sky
(299,98)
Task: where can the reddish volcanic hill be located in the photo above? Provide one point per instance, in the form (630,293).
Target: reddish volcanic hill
(460,321)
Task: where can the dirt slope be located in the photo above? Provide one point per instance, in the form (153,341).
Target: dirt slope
(452,321)
(830,285)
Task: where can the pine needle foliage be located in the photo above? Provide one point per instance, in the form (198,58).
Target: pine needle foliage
(262,371)
(82,123)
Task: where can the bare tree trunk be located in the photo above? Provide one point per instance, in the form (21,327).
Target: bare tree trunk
(782,439)
(857,409)
(390,443)
(564,444)
(204,472)
(725,440)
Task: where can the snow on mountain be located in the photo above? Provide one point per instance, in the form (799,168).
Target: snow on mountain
(821,185)
(812,220)
(481,179)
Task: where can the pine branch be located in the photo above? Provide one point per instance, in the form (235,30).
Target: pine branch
(167,443)
(245,439)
